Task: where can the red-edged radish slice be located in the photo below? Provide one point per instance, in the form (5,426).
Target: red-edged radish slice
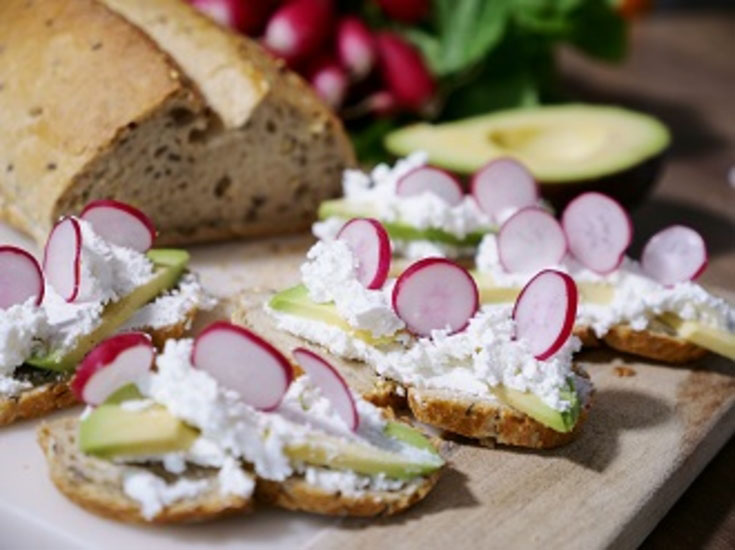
(544,312)
(331,384)
(120,224)
(502,187)
(529,240)
(114,363)
(20,277)
(62,258)
(241,360)
(432,180)
(369,242)
(435,294)
(674,255)
(598,231)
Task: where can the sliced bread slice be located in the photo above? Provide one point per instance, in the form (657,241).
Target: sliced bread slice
(97,485)
(657,343)
(161,108)
(488,421)
(50,391)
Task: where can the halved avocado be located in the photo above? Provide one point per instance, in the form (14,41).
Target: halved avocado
(169,264)
(568,148)
(343,208)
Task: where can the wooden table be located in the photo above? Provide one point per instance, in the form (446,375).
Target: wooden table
(681,68)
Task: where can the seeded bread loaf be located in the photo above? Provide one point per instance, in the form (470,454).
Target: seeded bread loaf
(153,104)
(487,421)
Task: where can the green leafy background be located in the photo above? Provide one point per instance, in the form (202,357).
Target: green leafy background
(495,54)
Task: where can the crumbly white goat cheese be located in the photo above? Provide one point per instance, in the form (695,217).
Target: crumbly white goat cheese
(153,493)
(375,194)
(474,361)
(173,306)
(637,298)
(22,329)
(330,275)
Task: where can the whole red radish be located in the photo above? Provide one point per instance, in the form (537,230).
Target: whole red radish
(299,28)
(248,16)
(404,72)
(329,80)
(355,47)
(20,277)
(407,11)
(114,363)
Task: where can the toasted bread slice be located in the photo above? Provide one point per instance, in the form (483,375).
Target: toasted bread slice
(50,391)
(297,494)
(485,420)
(97,485)
(655,343)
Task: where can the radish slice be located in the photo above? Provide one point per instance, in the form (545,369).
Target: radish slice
(674,255)
(331,384)
(529,240)
(115,362)
(598,231)
(502,187)
(433,180)
(435,294)
(20,277)
(544,312)
(242,361)
(62,258)
(120,224)
(370,244)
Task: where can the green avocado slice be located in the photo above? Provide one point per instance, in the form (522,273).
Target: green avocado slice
(530,404)
(110,431)
(559,144)
(169,265)
(343,208)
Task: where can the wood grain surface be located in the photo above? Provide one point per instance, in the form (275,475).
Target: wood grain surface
(681,68)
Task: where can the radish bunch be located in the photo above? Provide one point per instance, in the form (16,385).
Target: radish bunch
(347,63)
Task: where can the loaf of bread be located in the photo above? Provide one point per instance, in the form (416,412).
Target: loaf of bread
(151,103)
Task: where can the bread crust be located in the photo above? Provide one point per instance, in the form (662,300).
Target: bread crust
(484,420)
(653,344)
(46,398)
(96,485)
(298,495)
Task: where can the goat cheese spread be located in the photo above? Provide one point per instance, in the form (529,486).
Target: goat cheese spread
(330,275)
(375,194)
(637,299)
(231,431)
(22,330)
(474,361)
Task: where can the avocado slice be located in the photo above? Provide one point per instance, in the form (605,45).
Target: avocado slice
(296,301)
(346,209)
(712,339)
(111,431)
(490,293)
(530,404)
(568,148)
(169,265)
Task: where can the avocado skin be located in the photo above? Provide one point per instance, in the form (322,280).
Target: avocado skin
(630,187)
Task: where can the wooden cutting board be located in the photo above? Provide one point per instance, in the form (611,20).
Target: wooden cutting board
(647,438)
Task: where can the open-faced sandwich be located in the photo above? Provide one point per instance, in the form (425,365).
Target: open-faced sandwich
(491,374)
(425,210)
(99,275)
(652,308)
(212,424)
